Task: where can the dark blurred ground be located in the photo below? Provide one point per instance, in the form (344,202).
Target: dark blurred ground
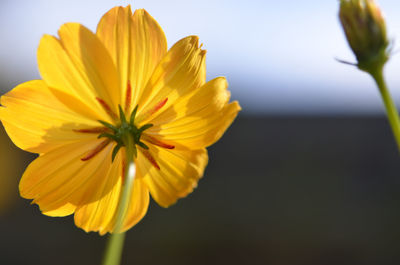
(279,191)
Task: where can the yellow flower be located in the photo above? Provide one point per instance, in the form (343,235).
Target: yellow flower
(96,88)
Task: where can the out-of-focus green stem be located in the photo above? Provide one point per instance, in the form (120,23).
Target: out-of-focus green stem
(391,110)
(115,242)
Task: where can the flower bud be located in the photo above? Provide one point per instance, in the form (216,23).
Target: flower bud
(365,30)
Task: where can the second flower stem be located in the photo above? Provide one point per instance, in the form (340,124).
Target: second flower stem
(391,110)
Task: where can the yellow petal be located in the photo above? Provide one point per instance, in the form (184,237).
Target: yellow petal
(178,175)
(138,204)
(78,64)
(65,210)
(181,71)
(136,43)
(100,215)
(96,216)
(59,179)
(198,119)
(37,121)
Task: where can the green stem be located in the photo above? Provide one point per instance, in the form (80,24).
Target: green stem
(391,110)
(116,240)
(114,248)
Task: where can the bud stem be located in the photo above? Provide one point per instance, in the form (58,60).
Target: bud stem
(391,110)
(115,242)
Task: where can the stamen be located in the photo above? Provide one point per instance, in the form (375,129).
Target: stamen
(128,97)
(149,157)
(157,142)
(150,112)
(92,130)
(96,150)
(107,108)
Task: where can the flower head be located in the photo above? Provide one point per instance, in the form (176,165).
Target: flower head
(96,90)
(365,30)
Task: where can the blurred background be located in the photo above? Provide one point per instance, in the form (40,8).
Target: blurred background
(307,174)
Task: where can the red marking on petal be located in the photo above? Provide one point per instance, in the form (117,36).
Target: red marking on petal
(157,142)
(128,97)
(92,130)
(96,150)
(158,106)
(123,170)
(153,110)
(149,157)
(107,108)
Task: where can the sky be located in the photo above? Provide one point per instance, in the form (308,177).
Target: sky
(278,56)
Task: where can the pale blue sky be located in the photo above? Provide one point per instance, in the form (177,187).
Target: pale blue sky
(278,56)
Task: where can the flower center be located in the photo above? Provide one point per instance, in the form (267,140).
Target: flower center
(125,129)
(125,132)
